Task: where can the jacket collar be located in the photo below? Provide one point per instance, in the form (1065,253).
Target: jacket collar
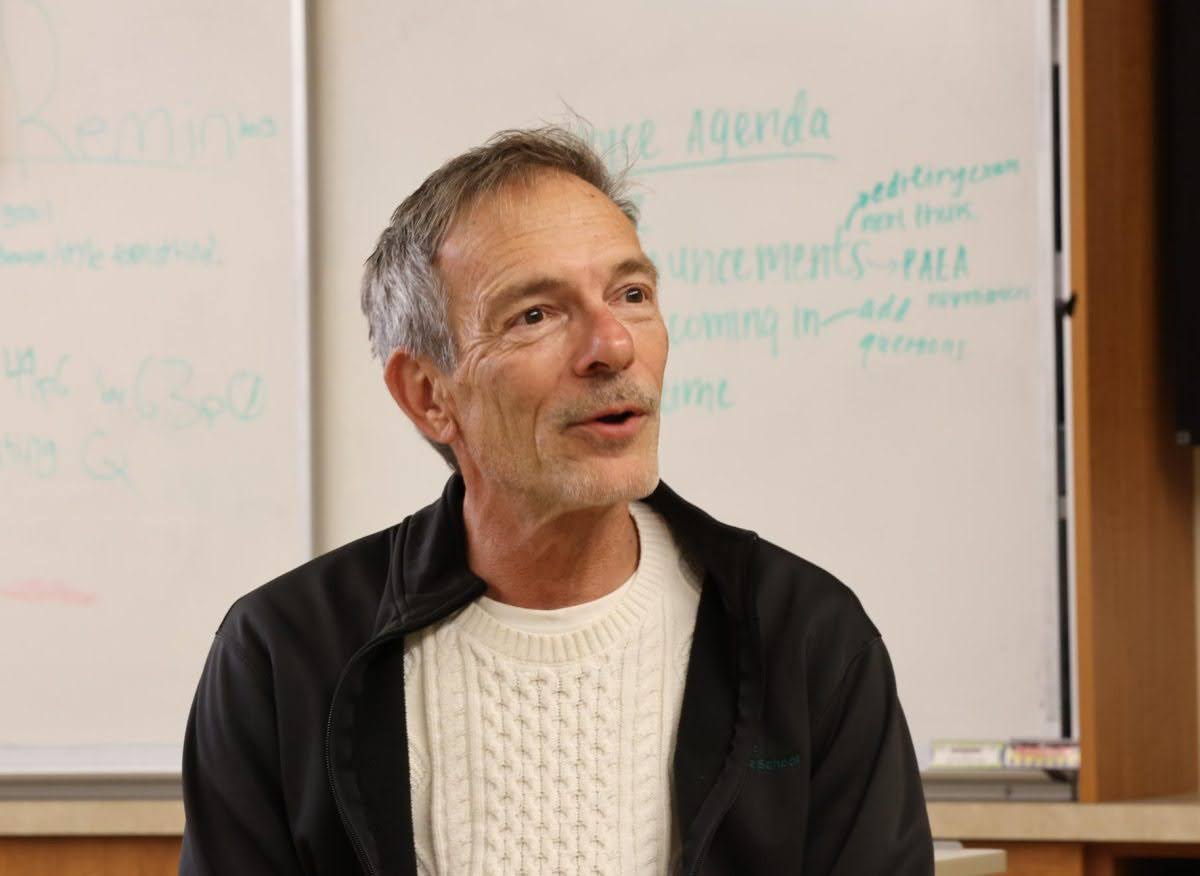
(428,569)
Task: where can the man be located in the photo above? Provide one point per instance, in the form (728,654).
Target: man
(560,666)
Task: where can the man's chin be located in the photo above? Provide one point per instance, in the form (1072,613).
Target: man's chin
(607,482)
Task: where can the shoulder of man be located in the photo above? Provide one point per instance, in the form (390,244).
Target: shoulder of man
(325,607)
(803,611)
(798,599)
(809,621)
(833,723)
(270,673)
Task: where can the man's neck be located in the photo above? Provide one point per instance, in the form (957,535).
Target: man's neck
(548,558)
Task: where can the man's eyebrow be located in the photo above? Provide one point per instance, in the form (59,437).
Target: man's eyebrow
(542,285)
(526,289)
(639,265)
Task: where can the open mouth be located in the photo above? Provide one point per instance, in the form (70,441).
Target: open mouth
(615,419)
(620,425)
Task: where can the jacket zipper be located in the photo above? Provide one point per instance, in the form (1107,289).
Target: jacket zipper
(428,617)
(359,849)
(711,830)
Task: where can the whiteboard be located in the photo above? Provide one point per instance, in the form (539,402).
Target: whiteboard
(850,204)
(154,391)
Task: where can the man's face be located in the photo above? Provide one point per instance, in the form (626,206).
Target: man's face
(555,310)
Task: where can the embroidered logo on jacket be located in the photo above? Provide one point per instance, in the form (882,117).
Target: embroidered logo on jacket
(780,763)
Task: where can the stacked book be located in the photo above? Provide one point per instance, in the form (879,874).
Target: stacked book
(1018,769)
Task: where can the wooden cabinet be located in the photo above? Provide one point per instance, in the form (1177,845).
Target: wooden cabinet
(1134,538)
(90,856)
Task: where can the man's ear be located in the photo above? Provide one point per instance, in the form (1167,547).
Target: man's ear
(416,385)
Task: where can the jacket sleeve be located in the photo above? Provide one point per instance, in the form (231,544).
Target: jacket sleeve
(868,815)
(232,794)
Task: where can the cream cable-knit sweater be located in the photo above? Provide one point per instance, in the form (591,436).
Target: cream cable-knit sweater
(542,741)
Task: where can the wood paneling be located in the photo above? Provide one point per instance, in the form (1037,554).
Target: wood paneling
(90,856)
(1133,495)
(1040,859)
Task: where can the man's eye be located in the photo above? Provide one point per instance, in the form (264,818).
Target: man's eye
(635,295)
(532,316)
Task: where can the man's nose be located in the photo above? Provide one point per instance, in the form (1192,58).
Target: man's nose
(607,344)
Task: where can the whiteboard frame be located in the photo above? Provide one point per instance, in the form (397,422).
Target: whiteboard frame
(1063,270)
(302,233)
(154,770)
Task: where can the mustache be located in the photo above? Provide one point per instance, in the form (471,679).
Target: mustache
(620,392)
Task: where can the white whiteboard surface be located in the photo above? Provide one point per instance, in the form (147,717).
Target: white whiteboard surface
(882,399)
(154,392)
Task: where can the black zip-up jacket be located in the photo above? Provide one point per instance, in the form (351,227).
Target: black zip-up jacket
(792,756)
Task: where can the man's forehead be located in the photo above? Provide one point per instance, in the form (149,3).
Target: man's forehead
(521,205)
(501,233)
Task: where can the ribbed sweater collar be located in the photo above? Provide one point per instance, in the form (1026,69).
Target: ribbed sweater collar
(622,611)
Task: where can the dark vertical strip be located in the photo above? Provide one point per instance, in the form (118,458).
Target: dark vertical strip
(1178,127)
(1062,313)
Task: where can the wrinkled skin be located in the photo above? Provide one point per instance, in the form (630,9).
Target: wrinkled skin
(531,367)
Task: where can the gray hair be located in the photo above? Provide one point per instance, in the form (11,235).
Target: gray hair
(403,296)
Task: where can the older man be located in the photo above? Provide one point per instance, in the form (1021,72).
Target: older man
(560,666)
